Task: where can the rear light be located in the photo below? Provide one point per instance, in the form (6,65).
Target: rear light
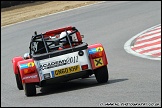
(96,55)
(27,71)
(28,67)
(84,67)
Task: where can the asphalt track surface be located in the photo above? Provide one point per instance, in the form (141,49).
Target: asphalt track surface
(131,79)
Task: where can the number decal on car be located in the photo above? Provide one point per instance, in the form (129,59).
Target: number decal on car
(53,64)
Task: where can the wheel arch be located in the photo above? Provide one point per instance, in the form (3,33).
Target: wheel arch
(94,53)
(32,75)
(15,61)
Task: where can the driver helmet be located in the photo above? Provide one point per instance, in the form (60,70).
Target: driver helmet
(63,34)
(26,56)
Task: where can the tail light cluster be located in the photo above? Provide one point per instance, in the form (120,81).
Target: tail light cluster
(84,67)
(28,67)
(96,52)
(96,55)
(29,70)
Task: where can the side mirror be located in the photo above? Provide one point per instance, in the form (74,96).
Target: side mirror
(26,56)
(35,32)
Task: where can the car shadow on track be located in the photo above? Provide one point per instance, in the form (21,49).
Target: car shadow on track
(74,85)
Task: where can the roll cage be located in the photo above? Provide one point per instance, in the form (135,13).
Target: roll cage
(48,42)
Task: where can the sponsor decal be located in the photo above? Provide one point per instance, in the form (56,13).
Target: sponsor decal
(53,64)
(52,72)
(30,64)
(27,77)
(99,49)
(64,71)
(98,62)
(23,66)
(94,50)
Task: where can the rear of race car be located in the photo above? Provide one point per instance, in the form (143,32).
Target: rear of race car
(61,66)
(77,60)
(65,67)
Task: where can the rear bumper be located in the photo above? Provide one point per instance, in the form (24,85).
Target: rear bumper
(67,77)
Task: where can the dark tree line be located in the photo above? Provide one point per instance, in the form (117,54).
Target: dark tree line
(5,4)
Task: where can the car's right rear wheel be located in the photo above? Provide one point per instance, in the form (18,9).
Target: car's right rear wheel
(101,74)
(30,89)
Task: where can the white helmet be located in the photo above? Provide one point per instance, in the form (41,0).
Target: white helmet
(63,34)
(26,56)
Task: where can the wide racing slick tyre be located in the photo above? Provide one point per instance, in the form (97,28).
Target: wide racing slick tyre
(18,81)
(101,74)
(30,89)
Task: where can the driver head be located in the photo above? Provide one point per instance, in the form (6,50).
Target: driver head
(63,34)
(26,56)
(73,36)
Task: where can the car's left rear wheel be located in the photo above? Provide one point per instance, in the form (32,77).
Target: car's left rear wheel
(30,89)
(18,82)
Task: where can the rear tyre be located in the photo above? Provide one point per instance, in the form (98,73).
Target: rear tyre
(101,74)
(30,89)
(18,81)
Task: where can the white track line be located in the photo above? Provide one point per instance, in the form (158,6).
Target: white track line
(143,43)
(150,32)
(130,51)
(148,37)
(153,52)
(149,47)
